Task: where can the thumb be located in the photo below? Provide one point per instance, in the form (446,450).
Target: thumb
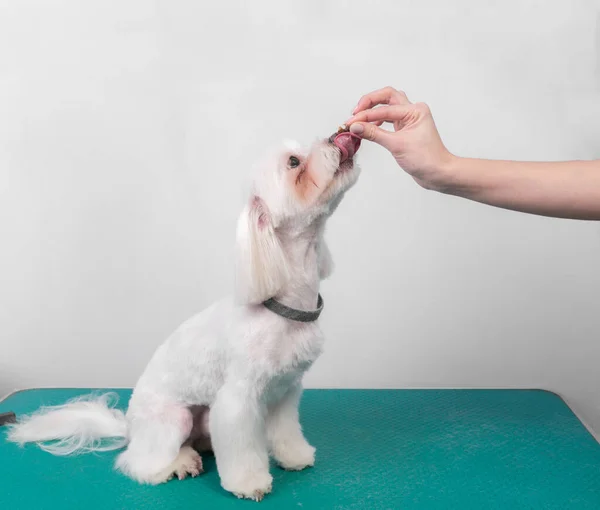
(368,131)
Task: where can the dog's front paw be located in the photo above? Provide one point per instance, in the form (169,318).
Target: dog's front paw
(295,456)
(252,486)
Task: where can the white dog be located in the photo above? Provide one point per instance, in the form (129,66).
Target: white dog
(230,377)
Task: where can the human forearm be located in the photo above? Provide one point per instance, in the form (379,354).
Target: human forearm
(569,189)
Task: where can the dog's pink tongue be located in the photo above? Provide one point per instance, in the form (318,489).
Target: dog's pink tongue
(348,144)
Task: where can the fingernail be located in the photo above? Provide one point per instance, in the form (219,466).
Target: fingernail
(355,108)
(357,129)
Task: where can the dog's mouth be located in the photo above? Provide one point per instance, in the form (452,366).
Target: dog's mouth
(347,143)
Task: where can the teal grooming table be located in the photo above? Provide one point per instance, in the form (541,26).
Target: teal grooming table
(376,449)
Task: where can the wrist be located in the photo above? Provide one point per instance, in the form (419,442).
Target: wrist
(447,174)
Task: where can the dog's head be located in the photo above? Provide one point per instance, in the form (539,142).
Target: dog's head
(293,187)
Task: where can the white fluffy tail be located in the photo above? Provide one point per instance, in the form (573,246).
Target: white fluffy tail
(84,424)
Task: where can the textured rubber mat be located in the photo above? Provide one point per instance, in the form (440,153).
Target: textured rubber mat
(376,449)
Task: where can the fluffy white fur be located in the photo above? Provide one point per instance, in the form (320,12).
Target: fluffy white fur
(82,425)
(230,377)
(262,269)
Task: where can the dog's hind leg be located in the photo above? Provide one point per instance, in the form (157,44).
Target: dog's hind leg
(155,453)
(187,462)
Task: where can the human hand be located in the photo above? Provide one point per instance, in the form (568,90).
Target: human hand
(562,189)
(415,142)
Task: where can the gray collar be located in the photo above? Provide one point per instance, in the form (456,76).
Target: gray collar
(295,315)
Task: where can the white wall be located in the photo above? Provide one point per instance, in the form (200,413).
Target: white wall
(126,130)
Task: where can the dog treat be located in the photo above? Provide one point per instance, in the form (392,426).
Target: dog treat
(341,129)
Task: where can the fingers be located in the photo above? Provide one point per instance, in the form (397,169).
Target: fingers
(398,113)
(387,95)
(373,133)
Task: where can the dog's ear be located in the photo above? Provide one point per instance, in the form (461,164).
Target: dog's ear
(261,265)
(324,260)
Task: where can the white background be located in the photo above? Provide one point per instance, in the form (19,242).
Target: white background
(126,130)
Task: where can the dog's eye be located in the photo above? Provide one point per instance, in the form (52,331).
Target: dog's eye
(294,162)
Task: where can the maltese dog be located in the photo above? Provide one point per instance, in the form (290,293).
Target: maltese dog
(230,378)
